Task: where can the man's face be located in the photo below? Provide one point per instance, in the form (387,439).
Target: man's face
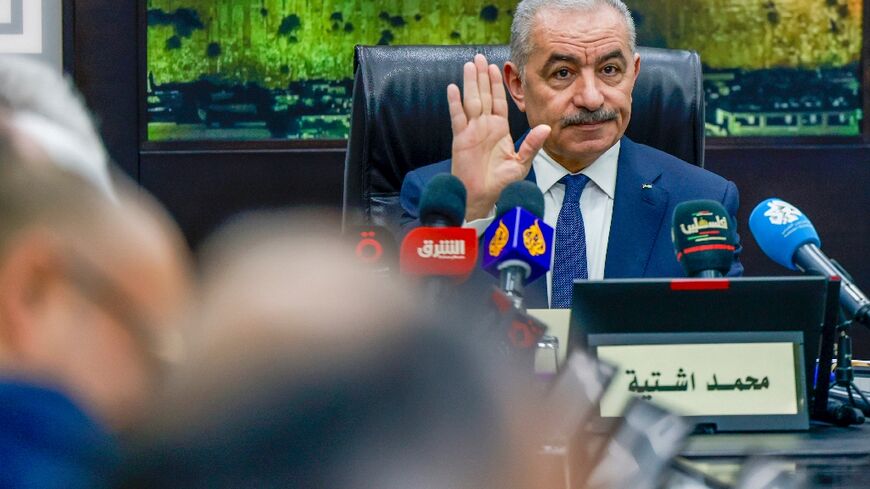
(578,80)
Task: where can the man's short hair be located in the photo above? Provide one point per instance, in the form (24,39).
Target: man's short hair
(527,10)
(36,193)
(48,109)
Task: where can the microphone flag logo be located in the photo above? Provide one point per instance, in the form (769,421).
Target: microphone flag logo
(499,239)
(533,240)
(780,213)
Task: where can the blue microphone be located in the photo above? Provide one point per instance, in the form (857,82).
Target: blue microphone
(518,245)
(788,237)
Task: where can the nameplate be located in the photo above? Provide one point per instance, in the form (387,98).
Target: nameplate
(706,374)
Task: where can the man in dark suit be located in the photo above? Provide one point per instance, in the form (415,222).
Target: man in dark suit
(572,70)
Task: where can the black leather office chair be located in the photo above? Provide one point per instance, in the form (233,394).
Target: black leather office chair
(400,120)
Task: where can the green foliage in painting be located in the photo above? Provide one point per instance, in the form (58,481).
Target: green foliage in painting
(793,64)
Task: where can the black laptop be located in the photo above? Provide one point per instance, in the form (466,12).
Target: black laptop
(768,322)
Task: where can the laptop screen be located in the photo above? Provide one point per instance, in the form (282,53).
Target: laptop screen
(725,352)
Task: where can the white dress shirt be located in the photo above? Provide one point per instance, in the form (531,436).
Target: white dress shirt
(596,205)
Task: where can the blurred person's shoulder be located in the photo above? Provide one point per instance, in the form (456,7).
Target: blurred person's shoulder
(46,440)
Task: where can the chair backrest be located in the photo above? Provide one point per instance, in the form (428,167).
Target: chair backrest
(400,120)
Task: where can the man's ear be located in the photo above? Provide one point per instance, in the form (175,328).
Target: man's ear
(29,270)
(515,85)
(636,66)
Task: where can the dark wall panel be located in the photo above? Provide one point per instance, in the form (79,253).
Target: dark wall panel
(831,185)
(201,190)
(105,68)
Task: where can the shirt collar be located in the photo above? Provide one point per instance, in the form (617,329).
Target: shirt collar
(602,171)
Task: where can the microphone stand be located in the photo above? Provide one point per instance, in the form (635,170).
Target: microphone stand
(512,279)
(844,375)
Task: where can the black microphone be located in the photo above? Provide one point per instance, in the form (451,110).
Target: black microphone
(704,238)
(788,237)
(843,415)
(374,246)
(442,204)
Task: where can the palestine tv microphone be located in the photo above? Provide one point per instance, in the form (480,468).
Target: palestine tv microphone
(787,237)
(704,238)
(518,245)
(440,251)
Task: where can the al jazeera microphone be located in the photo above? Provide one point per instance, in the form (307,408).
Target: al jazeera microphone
(704,237)
(518,245)
(440,252)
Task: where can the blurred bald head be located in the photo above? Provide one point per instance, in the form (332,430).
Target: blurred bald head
(287,279)
(306,370)
(89,286)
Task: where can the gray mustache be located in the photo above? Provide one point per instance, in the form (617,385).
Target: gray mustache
(588,117)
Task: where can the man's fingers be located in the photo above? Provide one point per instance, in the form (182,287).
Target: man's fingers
(457,115)
(483,84)
(533,143)
(499,97)
(470,90)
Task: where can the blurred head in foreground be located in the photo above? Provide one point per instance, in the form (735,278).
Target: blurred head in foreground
(47,108)
(88,286)
(308,371)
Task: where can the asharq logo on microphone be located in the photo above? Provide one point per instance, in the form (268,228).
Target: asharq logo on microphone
(446,252)
(444,249)
(780,212)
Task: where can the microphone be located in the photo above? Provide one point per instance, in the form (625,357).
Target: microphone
(704,237)
(374,247)
(440,251)
(788,237)
(518,245)
(443,202)
(843,415)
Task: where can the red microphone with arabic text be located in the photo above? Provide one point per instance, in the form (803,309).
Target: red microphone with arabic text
(441,251)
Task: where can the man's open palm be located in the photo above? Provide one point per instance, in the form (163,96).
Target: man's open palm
(483,150)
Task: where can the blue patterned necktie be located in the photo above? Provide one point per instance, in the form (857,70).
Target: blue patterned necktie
(569,262)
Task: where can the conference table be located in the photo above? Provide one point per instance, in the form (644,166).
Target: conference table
(827,456)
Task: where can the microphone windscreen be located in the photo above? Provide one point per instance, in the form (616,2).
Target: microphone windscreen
(780,229)
(523,194)
(443,199)
(704,236)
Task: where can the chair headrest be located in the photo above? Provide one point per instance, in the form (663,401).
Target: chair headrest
(401,120)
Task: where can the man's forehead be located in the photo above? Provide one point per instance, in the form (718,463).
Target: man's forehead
(591,34)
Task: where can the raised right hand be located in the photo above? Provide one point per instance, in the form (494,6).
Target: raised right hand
(483,150)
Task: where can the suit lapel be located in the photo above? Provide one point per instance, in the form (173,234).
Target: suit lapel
(638,209)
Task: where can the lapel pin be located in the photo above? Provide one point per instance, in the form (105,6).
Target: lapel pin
(646,186)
